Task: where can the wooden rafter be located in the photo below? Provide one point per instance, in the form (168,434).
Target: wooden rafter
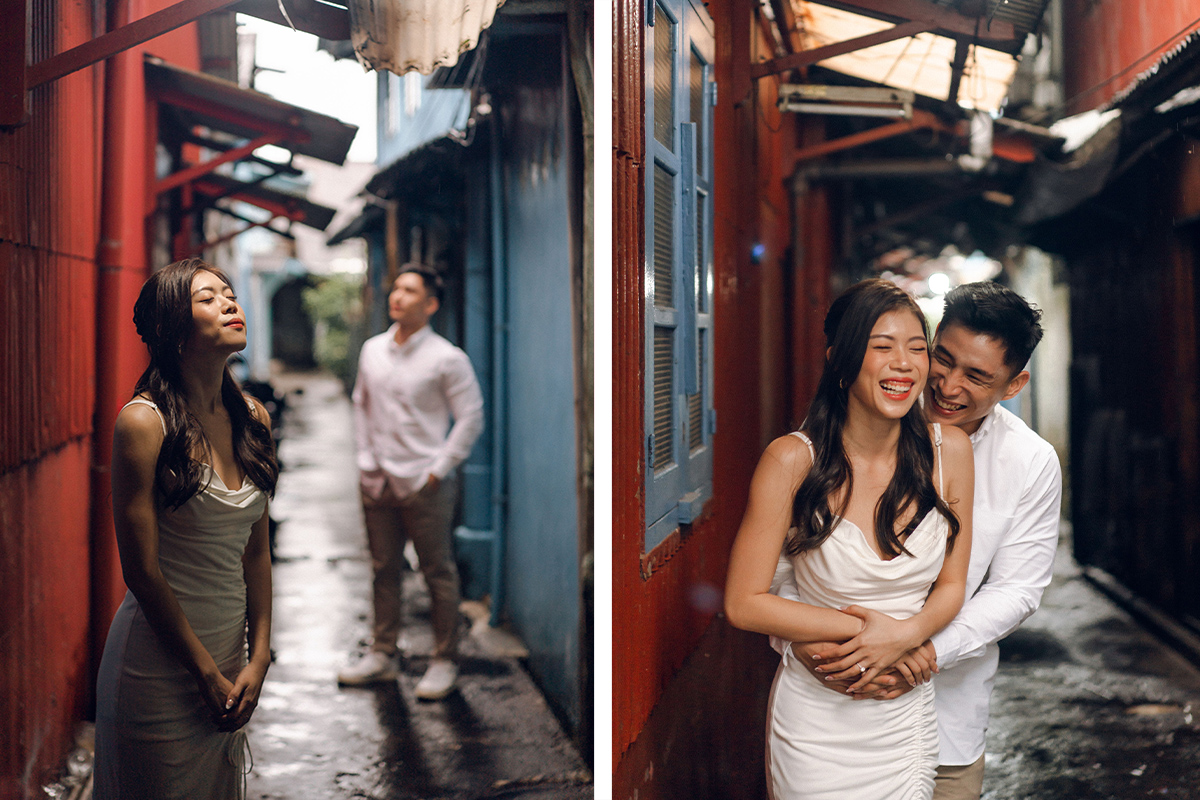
(123,38)
(920,120)
(807,58)
(945,21)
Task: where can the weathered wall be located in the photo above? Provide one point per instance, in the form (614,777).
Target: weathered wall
(689,692)
(59,578)
(1108,43)
(1135,389)
(49,172)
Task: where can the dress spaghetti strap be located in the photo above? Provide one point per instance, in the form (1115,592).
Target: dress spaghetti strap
(937,442)
(802,437)
(144,402)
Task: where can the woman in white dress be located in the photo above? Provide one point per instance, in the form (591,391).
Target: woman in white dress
(873,508)
(193,463)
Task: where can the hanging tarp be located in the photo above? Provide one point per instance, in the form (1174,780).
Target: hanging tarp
(405,35)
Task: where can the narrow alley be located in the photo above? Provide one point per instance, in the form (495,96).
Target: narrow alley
(1089,705)
(494,737)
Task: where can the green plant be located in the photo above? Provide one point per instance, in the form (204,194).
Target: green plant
(335,306)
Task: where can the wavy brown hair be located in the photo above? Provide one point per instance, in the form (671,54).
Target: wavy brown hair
(163,317)
(848,328)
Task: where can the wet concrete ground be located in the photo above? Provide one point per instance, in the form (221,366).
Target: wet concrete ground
(1090,706)
(494,737)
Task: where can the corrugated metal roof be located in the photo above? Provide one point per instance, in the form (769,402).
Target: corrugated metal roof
(309,133)
(1024,15)
(1143,78)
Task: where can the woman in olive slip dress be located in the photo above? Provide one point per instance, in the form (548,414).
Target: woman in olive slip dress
(193,465)
(873,508)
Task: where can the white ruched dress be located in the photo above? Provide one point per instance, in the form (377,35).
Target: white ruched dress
(155,738)
(822,745)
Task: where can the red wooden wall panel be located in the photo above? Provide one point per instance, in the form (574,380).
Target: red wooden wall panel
(1108,43)
(656,622)
(59,576)
(48,234)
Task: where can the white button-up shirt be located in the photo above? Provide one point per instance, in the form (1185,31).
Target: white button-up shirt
(1018,493)
(405,397)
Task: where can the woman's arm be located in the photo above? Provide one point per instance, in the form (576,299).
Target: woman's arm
(137,440)
(946,597)
(256,570)
(749,603)
(881,645)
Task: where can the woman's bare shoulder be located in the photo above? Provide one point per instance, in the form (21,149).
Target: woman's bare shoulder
(139,424)
(956,443)
(791,454)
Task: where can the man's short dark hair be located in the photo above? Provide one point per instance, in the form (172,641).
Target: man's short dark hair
(994,310)
(434,285)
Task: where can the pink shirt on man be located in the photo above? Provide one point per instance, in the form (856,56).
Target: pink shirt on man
(405,398)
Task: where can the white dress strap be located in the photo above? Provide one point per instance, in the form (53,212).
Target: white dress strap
(937,442)
(804,438)
(144,402)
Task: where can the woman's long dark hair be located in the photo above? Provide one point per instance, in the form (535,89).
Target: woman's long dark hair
(848,327)
(163,317)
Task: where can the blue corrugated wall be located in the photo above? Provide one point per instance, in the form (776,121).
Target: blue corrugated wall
(541,569)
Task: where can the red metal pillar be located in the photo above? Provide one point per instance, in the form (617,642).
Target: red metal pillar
(812,254)
(122,263)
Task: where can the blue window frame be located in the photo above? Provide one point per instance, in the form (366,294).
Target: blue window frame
(679,420)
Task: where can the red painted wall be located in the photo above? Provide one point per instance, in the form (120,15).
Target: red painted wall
(1108,43)
(48,231)
(68,358)
(663,644)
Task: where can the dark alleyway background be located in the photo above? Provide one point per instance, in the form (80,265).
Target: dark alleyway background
(493,737)
(1089,705)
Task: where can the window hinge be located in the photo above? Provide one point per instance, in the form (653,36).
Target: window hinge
(650,449)
(711,419)
(650,12)
(689,507)
(714,93)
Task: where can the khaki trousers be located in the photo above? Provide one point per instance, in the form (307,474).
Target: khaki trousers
(959,783)
(425,518)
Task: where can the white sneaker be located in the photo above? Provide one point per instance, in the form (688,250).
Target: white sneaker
(374,667)
(438,680)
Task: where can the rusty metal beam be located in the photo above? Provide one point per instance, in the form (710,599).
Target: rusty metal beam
(961,48)
(920,120)
(278,209)
(123,38)
(945,20)
(211,243)
(809,57)
(785,21)
(193,172)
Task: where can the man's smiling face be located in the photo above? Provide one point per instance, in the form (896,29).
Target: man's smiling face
(968,377)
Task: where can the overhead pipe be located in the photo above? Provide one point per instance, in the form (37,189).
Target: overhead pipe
(882,168)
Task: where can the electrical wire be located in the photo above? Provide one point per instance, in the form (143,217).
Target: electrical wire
(1184,31)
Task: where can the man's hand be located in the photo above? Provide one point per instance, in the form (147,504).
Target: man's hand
(914,668)
(884,686)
